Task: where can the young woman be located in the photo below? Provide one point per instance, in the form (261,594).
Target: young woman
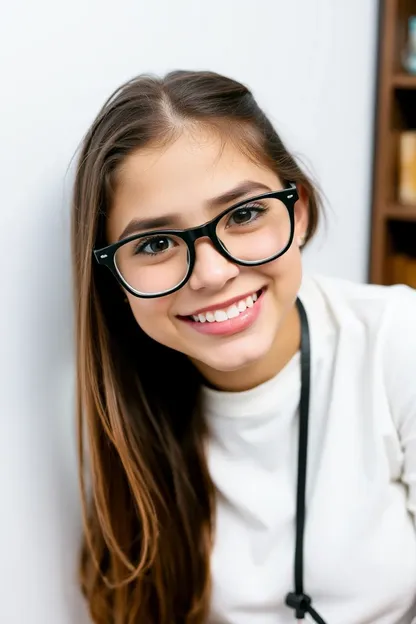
(250,432)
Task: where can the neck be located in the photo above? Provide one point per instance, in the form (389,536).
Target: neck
(285,345)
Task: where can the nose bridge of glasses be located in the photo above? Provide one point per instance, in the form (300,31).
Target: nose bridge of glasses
(202,231)
(211,265)
(206,231)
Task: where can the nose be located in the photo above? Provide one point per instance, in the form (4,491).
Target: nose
(211,270)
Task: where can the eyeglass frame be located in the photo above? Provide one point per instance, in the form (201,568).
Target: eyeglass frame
(105,256)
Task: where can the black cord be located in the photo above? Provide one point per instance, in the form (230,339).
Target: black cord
(298,600)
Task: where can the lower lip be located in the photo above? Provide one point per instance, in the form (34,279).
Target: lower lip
(231,326)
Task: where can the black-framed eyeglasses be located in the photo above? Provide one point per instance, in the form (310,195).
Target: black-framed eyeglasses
(250,233)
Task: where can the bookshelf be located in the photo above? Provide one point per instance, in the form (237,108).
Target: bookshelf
(393,224)
(403,81)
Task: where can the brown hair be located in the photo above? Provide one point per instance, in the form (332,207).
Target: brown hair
(149,503)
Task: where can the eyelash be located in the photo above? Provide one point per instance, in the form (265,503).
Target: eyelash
(257,208)
(143,243)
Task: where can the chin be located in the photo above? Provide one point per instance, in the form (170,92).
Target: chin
(233,357)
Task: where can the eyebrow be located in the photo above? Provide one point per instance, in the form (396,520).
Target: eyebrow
(244,188)
(166,221)
(152,223)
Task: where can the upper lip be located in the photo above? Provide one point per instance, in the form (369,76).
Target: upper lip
(224,304)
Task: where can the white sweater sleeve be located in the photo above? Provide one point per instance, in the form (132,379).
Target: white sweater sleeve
(400,379)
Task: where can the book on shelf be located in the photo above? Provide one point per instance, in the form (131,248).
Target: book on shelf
(407,168)
(409,60)
(403,270)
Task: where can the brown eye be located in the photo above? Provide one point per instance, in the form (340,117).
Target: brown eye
(155,245)
(245,215)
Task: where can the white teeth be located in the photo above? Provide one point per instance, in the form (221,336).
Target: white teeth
(219,316)
(233,312)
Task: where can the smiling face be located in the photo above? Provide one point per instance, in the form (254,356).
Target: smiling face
(187,184)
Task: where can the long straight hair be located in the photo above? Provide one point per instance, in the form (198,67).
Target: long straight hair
(148,501)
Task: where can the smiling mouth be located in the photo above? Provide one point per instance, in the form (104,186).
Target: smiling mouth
(225,314)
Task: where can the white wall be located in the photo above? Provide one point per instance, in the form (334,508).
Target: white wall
(311,64)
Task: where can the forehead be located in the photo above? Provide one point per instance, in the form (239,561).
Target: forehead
(180,178)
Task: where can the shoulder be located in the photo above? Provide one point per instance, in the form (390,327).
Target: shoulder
(377,308)
(375,323)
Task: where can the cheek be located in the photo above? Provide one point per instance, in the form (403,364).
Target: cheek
(287,269)
(285,275)
(153,316)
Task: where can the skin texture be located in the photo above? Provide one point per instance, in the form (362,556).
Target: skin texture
(182,178)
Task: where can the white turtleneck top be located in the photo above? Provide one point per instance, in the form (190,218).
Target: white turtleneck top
(360,540)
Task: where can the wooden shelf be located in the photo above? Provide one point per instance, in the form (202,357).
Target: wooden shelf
(400,213)
(393,233)
(404,81)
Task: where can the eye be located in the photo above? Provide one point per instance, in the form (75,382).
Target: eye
(154,245)
(245,214)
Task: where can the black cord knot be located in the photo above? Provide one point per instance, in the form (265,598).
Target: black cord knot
(300,603)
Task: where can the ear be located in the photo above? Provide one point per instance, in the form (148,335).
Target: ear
(301,215)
